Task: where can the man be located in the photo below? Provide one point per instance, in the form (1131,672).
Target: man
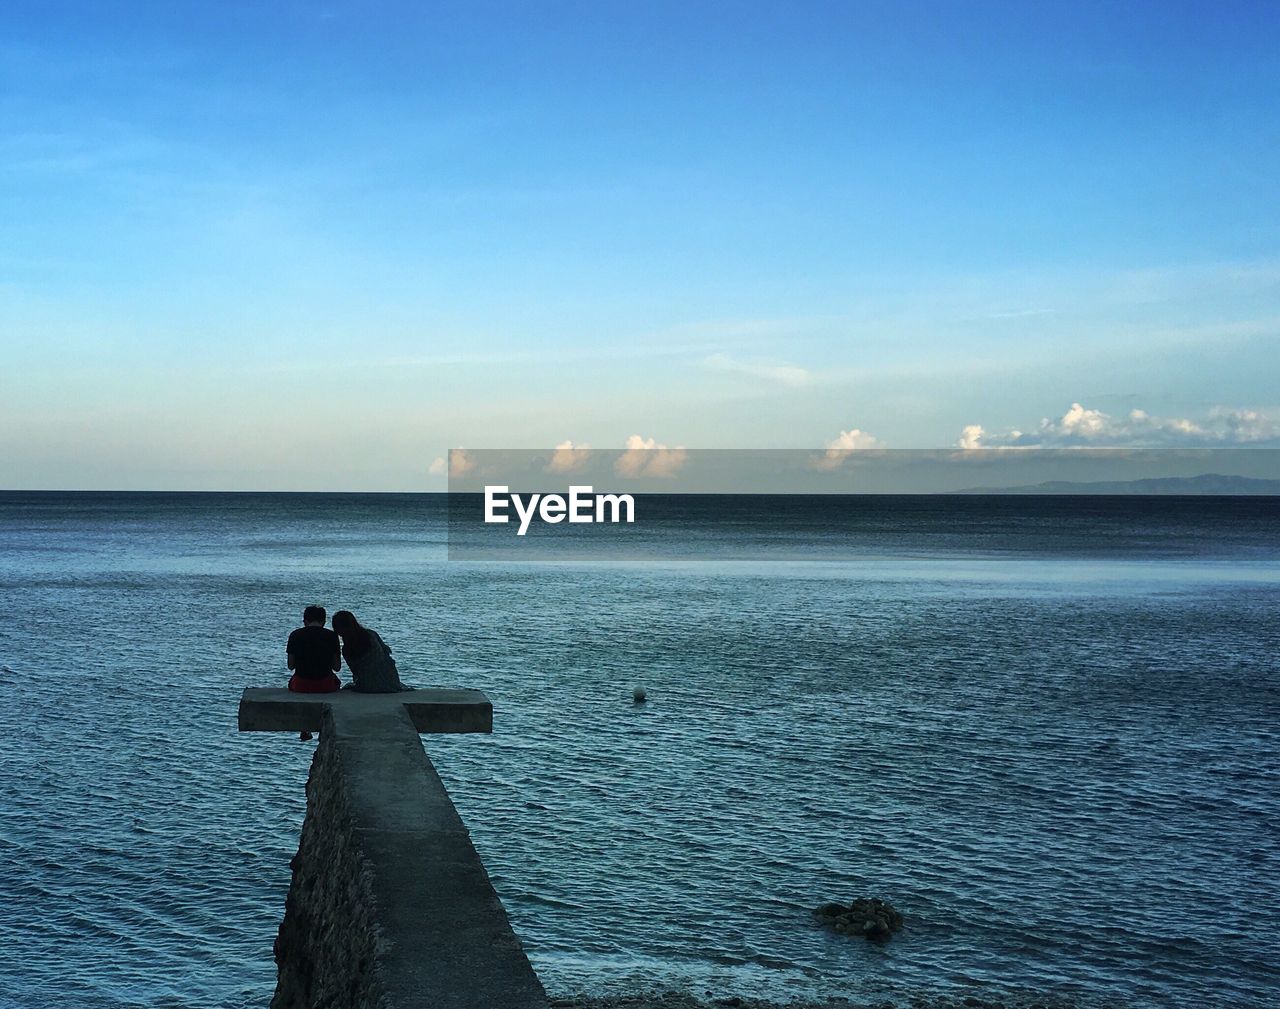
(314,654)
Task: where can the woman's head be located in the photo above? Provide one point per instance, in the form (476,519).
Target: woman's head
(345,623)
(355,639)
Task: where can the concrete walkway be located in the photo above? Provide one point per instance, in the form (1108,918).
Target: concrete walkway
(390,905)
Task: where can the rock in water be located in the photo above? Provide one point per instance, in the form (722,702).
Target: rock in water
(868,916)
(875,928)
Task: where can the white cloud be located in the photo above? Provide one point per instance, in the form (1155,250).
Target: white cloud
(970,437)
(777,372)
(843,445)
(644,457)
(457,464)
(1087,425)
(568,457)
(1084,427)
(1244,425)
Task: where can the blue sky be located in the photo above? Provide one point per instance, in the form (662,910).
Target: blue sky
(314,245)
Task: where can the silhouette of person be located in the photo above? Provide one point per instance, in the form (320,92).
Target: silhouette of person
(373,670)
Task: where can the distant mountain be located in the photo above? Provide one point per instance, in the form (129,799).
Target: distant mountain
(1206,483)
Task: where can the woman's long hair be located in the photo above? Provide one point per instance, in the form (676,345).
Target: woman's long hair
(355,639)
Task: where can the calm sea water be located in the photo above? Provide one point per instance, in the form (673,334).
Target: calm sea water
(1048,730)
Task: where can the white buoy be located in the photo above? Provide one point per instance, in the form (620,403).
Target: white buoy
(639,695)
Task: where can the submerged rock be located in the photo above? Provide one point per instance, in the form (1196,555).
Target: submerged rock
(867,916)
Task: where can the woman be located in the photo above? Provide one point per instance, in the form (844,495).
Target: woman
(373,670)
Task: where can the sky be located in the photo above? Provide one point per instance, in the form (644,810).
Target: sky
(313,246)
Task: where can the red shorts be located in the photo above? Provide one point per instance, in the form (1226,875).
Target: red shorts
(327,685)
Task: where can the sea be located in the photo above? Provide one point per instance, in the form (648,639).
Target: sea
(1047,730)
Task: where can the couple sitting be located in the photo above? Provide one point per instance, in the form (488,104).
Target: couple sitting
(315,657)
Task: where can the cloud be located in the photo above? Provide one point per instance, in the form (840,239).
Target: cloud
(1084,427)
(843,445)
(779,373)
(644,457)
(459,462)
(568,457)
(1244,426)
(458,465)
(970,437)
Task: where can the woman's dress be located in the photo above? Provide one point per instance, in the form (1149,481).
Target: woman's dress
(374,671)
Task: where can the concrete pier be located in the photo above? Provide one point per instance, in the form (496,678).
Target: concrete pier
(390,905)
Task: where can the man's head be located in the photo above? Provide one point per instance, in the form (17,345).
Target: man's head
(313,615)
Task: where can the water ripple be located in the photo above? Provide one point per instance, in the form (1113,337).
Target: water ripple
(1066,779)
